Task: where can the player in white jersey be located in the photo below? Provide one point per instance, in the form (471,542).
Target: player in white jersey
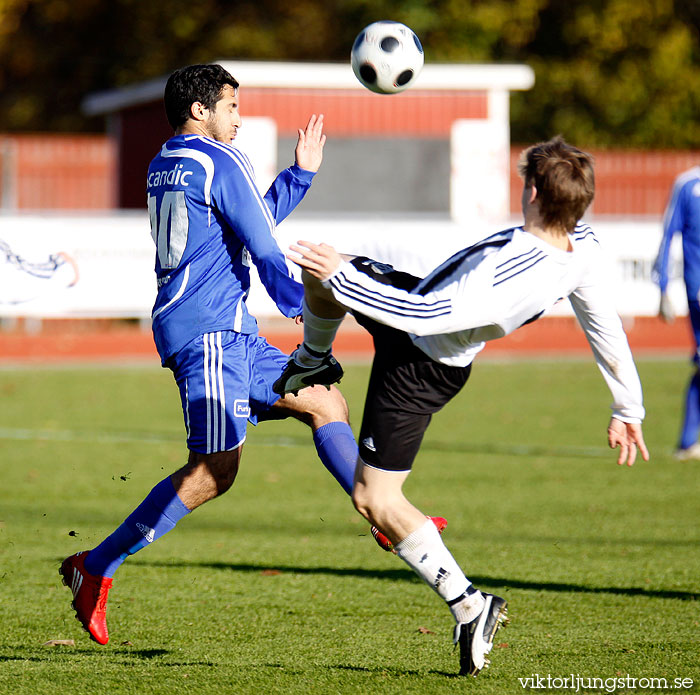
(209,222)
(428,331)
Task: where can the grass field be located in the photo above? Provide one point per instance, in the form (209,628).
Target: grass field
(277,586)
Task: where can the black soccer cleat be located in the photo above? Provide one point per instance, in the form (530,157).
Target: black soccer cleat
(296,377)
(475,638)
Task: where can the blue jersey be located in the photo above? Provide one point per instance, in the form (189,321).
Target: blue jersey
(208,220)
(682,215)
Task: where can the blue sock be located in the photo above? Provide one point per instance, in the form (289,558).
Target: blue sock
(337,449)
(691,419)
(154,517)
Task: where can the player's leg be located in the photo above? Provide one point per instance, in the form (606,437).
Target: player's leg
(688,447)
(206,476)
(323,410)
(691,416)
(312,362)
(405,389)
(89,574)
(216,430)
(390,438)
(215,434)
(320,299)
(202,478)
(378,496)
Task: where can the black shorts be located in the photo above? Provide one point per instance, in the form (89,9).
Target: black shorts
(405,388)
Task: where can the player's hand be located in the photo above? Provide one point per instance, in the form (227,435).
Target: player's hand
(321,260)
(665,308)
(309,150)
(629,438)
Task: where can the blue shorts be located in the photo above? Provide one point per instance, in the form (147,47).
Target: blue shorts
(225,380)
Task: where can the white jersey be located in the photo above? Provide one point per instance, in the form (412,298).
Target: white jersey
(488,290)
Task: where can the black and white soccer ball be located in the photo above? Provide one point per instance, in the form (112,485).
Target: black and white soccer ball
(387,57)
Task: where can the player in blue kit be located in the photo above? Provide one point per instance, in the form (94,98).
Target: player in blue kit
(683,216)
(209,222)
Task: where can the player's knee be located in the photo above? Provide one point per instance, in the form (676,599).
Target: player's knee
(335,407)
(214,473)
(325,406)
(359,501)
(368,504)
(314,288)
(224,479)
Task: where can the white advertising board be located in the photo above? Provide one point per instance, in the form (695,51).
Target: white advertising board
(114,257)
(480,177)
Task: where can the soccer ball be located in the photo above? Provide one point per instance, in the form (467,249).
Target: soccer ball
(387,57)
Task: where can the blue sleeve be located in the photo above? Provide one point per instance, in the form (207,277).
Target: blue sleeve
(243,208)
(287,190)
(673,223)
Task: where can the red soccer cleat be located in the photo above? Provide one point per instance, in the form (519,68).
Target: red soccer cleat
(385,544)
(89,596)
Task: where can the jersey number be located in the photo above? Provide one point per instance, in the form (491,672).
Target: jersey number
(172,216)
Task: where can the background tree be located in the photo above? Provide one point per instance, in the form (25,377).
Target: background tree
(613,72)
(608,72)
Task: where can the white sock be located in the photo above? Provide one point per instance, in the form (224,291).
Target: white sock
(425,553)
(319,334)
(468,606)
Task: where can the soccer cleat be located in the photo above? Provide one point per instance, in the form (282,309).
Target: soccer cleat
(385,544)
(692,453)
(296,377)
(89,596)
(475,638)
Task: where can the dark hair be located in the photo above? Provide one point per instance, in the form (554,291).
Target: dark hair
(202,83)
(564,179)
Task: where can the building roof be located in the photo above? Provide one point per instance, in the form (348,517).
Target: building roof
(434,76)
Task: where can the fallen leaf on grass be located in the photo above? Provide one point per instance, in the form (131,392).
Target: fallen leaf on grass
(269,573)
(425,631)
(59,643)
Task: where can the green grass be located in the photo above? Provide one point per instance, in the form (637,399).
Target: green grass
(277,587)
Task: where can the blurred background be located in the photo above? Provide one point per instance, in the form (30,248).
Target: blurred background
(81,116)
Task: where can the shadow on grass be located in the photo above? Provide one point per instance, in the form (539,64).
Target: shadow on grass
(494,583)
(498,583)
(398,672)
(44,653)
(120,655)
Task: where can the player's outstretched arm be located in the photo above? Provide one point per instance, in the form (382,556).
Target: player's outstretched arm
(321,260)
(629,437)
(309,149)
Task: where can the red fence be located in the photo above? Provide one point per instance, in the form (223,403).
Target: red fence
(628,182)
(359,113)
(58,172)
(79,172)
